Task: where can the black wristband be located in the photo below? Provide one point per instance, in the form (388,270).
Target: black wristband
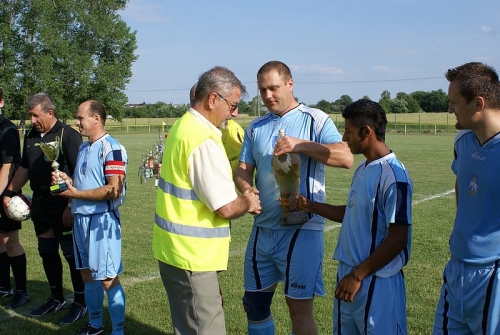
(8,193)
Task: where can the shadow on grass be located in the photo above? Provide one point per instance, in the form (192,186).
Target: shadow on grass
(18,321)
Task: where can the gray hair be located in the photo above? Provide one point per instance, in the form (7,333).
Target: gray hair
(220,80)
(44,100)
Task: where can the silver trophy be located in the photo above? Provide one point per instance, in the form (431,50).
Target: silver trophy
(51,151)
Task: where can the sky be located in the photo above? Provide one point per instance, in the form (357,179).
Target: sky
(354,47)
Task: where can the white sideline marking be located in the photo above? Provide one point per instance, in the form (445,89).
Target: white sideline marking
(434,197)
(331,227)
(238,252)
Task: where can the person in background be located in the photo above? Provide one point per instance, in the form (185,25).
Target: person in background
(11,251)
(232,135)
(292,254)
(191,233)
(51,216)
(96,192)
(375,237)
(469,302)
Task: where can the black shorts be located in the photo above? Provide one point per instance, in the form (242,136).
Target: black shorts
(46,213)
(7,224)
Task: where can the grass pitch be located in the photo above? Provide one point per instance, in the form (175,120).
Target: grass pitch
(428,158)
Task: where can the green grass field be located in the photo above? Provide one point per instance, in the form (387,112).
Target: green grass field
(428,159)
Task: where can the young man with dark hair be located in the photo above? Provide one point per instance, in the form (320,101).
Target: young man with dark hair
(375,237)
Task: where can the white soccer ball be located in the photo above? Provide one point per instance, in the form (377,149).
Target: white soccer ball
(19,207)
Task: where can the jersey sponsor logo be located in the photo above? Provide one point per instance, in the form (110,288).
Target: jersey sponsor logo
(115,167)
(472,183)
(478,157)
(298,286)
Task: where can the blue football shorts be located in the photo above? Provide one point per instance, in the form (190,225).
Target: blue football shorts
(292,256)
(98,244)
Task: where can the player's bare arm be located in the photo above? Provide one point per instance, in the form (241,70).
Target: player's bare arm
(111,190)
(18,181)
(397,240)
(330,212)
(244,203)
(334,154)
(243,178)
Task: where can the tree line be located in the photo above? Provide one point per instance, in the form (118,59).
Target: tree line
(416,102)
(77,50)
(74,50)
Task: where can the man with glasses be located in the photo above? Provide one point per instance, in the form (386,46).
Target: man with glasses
(232,133)
(195,201)
(292,254)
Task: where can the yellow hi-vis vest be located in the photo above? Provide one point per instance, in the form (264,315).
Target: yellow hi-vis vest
(186,233)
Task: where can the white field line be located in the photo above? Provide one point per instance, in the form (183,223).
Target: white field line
(233,253)
(432,197)
(241,251)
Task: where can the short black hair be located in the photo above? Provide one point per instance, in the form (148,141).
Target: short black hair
(366,112)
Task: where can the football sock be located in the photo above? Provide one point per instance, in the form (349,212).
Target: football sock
(263,328)
(94,295)
(76,280)
(53,270)
(4,272)
(18,264)
(116,306)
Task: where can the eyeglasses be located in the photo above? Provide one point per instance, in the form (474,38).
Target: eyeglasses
(232,105)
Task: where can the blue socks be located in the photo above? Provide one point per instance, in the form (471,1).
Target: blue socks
(116,305)
(263,328)
(94,295)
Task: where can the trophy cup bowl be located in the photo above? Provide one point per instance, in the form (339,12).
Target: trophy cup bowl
(51,152)
(286,169)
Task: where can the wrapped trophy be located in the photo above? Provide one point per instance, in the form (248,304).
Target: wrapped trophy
(51,152)
(286,169)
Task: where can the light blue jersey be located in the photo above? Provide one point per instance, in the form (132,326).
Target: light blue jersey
(105,157)
(469,302)
(380,195)
(476,233)
(260,136)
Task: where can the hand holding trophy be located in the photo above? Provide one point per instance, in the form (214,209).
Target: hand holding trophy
(51,151)
(286,169)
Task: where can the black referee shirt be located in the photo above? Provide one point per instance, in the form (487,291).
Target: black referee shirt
(39,169)
(10,144)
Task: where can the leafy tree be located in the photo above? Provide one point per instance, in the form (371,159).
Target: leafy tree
(385,101)
(413,106)
(257,106)
(324,105)
(342,103)
(245,108)
(398,106)
(410,106)
(438,101)
(72,50)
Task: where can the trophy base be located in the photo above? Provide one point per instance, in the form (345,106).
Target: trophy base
(58,188)
(293,218)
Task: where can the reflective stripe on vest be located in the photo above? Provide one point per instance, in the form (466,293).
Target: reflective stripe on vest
(177,192)
(187,234)
(200,232)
